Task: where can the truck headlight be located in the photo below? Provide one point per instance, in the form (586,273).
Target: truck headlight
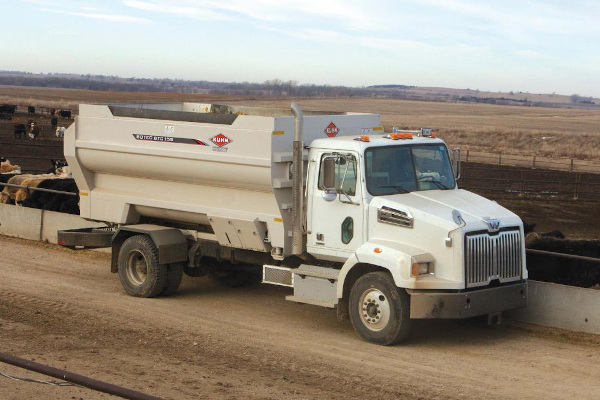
(421,268)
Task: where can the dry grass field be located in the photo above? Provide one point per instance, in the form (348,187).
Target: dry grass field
(549,132)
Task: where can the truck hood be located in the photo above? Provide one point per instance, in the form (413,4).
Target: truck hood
(440,204)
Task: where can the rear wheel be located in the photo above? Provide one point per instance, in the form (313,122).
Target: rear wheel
(379,310)
(139,271)
(174,275)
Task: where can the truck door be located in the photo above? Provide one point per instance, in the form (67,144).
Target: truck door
(336,218)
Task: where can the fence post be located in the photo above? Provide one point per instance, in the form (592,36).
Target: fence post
(533,166)
(500,158)
(467,155)
(571,165)
(576,194)
(522,182)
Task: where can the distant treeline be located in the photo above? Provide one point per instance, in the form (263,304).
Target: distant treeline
(271,88)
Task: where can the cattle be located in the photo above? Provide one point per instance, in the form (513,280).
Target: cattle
(7,167)
(29,197)
(65,114)
(54,122)
(22,194)
(34,131)
(8,193)
(8,109)
(4,178)
(60,132)
(566,271)
(20,129)
(30,110)
(55,201)
(58,167)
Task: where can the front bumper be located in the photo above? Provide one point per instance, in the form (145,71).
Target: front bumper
(434,304)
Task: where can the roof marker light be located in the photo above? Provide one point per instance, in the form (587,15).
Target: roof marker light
(426,132)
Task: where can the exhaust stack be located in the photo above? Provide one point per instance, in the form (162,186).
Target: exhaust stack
(297,186)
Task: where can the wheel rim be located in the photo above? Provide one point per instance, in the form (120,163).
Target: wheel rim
(374,309)
(137,268)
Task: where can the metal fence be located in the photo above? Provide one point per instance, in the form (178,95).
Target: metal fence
(539,183)
(532,161)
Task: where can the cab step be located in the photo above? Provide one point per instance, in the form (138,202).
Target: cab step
(312,284)
(311,301)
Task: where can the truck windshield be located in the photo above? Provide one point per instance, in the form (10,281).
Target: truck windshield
(408,168)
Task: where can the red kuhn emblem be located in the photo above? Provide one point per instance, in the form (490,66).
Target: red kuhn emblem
(220,140)
(331,130)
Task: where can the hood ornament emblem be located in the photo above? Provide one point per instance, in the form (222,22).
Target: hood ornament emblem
(493,224)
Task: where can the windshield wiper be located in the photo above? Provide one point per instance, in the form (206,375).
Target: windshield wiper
(438,184)
(397,187)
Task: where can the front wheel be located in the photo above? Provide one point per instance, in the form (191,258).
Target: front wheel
(379,310)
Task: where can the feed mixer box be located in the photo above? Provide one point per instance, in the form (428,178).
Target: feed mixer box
(223,168)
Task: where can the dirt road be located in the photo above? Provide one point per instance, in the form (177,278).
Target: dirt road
(66,309)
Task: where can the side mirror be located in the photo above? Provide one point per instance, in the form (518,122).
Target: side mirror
(456,163)
(330,191)
(329,174)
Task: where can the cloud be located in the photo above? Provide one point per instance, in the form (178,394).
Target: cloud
(524,18)
(105,17)
(348,14)
(46,3)
(182,8)
(529,54)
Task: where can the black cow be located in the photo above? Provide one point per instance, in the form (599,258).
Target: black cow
(30,110)
(20,129)
(65,114)
(54,201)
(8,109)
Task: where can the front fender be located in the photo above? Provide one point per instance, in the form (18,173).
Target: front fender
(395,257)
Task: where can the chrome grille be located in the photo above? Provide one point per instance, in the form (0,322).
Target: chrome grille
(492,257)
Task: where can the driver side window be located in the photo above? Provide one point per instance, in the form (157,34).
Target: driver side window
(345,173)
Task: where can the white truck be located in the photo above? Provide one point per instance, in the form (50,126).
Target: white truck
(348,216)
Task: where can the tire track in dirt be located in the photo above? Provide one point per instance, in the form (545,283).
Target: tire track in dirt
(221,343)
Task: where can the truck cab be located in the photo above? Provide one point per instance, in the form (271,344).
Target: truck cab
(389,205)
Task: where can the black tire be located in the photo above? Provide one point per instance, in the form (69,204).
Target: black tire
(379,310)
(174,275)
(139,271)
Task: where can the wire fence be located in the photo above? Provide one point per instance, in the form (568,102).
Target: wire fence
(546,183)
(532,161)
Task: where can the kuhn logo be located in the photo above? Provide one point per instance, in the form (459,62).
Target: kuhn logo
(220,140)
(332,130)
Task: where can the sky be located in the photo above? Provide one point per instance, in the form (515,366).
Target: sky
(530,46)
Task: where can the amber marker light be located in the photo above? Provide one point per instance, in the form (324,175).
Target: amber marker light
(414,271)
(377,250)
(365,138)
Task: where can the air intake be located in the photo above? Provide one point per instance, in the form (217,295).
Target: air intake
(395,217)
